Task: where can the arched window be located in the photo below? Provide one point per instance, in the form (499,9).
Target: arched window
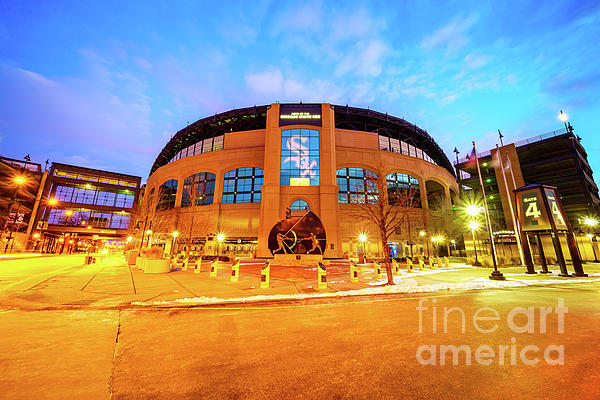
(198,190)
(356,185)
(167,192)
(299,205)
(242,185)
(403,190)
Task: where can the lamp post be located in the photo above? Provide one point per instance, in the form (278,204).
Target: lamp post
(19,181)
(453,242)
(220,239)
(175,234)
(423,234)
(362,238)
(564,117)
(590,223)
(474,225)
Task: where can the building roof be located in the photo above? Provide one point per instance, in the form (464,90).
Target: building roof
(352,118)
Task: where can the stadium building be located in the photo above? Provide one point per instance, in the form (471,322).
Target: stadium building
(242,172)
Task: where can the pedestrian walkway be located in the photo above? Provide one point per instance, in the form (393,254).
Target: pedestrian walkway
(67,282)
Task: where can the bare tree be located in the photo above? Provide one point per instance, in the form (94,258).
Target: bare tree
(388,207)
(195,194)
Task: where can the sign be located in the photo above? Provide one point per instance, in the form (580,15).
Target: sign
(299,114)
(531,210)
(558,217)
(14,217)
(304,235)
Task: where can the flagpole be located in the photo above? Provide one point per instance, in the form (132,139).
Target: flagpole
(496,275)
(512,211)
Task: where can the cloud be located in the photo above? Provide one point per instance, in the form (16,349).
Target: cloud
(451,36)
(564,83)
(475,60)
(365,59)
(271,85)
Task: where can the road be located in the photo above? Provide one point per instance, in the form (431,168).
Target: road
(351,348)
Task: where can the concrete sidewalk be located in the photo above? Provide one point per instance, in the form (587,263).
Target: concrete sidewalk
(111,283)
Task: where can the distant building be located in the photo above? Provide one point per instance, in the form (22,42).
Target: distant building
(19,186)
(556,158)
(82,205)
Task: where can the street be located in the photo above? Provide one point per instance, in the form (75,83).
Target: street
(352,348)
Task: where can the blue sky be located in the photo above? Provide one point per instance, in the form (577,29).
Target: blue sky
(106,84)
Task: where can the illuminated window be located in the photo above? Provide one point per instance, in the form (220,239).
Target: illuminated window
(198,189)
(167,192)
(356,185)
(403,190)
(299,205)
(243,185)
(300,157)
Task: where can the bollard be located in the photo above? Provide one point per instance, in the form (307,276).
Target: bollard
(421,264)
(265,271)
(353,272)
(235,271)
(214,268)
(409,265)
(395,267)
(377,269)
(184,267)
(322,275)
(198,265)
(439,262)
(446,263)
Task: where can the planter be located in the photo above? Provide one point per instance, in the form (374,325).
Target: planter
(140,262)
(132,257)
(157,266)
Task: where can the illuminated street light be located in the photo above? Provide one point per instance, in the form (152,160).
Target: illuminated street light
(564,117)
(220,237)
(591,222)
(68,213)
(148,232)
(472,210)
(52,201)
(19,180)
(36,235)
(129,239)
(362,238)
(422,233)
(474,225)
(175,233)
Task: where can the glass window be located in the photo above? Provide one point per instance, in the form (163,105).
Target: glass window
(300,157)
(395,145)
(403,190)
(167,192)
(243,185)
(354,183)
(299,205)
(207,145)
(198,189)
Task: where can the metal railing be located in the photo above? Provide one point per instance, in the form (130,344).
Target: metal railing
(520,143)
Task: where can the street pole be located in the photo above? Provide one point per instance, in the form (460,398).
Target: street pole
(475,247)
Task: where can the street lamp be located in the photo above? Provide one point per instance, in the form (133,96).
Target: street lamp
(19,181)
(220,239)
(175,234)
(474,225)
(564,117)
(591,222)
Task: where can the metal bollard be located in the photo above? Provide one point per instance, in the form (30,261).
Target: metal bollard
(265,271)
(322,275)
(439,262)
(446,263)
(377,268)
(421,264)
(409,265)
(235,271)
(395,267)
(353,272)
(214,268)
(198,265)
(184,267)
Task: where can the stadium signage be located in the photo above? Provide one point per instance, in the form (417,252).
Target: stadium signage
(300,114)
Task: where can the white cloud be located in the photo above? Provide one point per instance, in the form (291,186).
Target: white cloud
(451,36)
(365,59)
(476,60)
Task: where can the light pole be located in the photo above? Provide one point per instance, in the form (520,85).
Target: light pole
(175,234)
(423,234)
(220,239)
(590,223)
(19,181)
(453,242)
(564,117)
(474,225)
